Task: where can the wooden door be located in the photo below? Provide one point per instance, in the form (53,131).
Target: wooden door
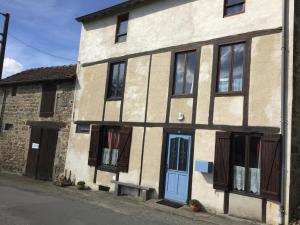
(47,154)
(41,153)
(33,152)
(178,167)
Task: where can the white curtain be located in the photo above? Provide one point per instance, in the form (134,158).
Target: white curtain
(239,178)
(254,179)
(105,156)
(114,157)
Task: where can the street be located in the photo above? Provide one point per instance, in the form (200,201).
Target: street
(29,202)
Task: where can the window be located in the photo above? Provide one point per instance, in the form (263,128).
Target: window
(185,65)
(48,100)
(116,80)
(8,126)
(231,68)
(14,91)
(83,128)
(232,7)
(246,163)
(122,26)
(110,148)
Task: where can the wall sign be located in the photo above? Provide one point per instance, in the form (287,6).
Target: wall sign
(35,146)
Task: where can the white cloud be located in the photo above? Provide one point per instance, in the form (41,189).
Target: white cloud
(11,66)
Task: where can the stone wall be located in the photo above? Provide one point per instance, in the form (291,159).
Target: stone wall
(25,107)
(295,151)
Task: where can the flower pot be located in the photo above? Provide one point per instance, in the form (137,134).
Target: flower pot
(195,208)
(80,186)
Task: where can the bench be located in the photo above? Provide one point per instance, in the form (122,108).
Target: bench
(144,191)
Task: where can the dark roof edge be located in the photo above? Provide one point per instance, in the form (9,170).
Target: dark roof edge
(128,5)
(13,83)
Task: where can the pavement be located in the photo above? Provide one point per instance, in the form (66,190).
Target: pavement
(24,201)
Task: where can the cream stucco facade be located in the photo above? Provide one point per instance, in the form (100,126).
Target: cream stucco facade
(148,106)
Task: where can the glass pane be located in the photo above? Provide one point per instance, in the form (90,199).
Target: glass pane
(113,80)
(121,80)
(105,156)
(225,60)
(179,73)
(183,154)
(238,67)
(233,2)
(234,9)
(239,163)
(123,25)
(254,165)
(173,154)
(114,156)
(190,72)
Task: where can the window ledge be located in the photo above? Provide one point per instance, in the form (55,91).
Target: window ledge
(182,96)
(228,94)
(109,169)
(114,99)
(251,195)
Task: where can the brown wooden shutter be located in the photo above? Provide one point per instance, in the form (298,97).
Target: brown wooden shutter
(95,144)
(48,100)
(125,144)
(271,166)
(222,161)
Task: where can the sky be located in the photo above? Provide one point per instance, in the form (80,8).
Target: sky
(47,25)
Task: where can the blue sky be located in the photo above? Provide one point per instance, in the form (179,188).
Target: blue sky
(48,25)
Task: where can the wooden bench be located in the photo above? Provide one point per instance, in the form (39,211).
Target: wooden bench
(144,191)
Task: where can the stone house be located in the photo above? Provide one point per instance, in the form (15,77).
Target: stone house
(36,109)
(191,99)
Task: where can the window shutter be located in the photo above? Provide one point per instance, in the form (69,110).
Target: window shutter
(222,161)
(95,144)
(125,144)
(48,100)
(271,166)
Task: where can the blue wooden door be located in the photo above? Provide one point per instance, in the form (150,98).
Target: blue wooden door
(178,166)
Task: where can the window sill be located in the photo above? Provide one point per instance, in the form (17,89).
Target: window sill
(114,99)
(228,94)
(247,194)
(182,96)
(109,169)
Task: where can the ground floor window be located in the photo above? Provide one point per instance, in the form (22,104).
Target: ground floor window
(110,148)
(246,163)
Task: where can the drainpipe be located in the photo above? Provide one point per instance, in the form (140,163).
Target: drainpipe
(284,105)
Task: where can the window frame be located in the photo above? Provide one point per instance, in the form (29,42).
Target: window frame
(226,6)
(247,137)
(109,80)
(121,18)
(218,67)
(174,67)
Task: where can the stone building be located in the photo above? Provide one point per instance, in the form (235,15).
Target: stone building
(191,99)
(36,109)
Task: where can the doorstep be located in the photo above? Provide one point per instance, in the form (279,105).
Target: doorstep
(210,218)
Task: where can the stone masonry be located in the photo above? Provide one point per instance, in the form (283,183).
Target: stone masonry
(23,107)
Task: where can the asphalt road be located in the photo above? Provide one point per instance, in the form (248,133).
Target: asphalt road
(24,207)
(25,201)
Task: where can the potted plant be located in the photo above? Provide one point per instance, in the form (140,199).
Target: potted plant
(81,185)
(195,205)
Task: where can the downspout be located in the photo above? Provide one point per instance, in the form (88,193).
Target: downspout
(284,105)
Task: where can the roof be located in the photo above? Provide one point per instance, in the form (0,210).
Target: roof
(41,75)
(124,6)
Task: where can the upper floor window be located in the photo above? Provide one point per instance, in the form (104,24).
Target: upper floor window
(14,91)
(232,7)
(185,65)
(122,26)
(231,68)
(48,100)
(116,80)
